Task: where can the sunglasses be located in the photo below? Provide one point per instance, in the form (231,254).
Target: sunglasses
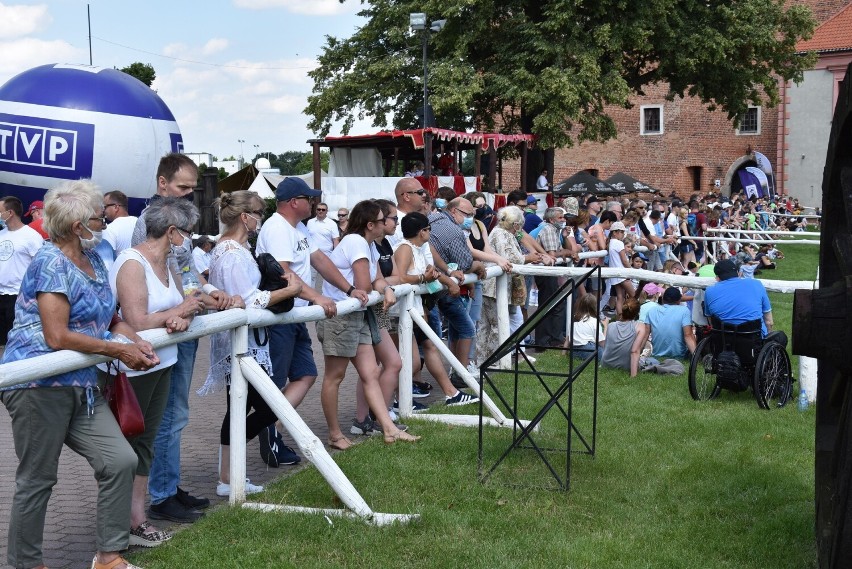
(418,192)
(342,215)
(321,209)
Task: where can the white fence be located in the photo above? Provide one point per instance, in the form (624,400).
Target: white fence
(244,368)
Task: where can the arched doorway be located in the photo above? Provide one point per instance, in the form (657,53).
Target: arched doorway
(732,181)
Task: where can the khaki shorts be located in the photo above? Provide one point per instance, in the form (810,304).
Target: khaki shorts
(341,335)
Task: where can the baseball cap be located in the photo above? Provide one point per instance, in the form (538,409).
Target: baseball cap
(38,204)
(571,206)
(290,188)
(531,200)
(672,294)
(652,289)
(617,226)
(725,270)
(592,199)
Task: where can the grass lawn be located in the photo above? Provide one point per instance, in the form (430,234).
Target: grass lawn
(674,483)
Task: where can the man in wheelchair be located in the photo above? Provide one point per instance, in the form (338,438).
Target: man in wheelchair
(735,300)
(742,351)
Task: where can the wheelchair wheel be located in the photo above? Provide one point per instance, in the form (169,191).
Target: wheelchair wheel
(773,382)
(703,384)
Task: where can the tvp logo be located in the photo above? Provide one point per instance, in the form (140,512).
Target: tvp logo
(43,147)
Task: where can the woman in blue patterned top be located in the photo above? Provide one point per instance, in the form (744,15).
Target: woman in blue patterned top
(66,303)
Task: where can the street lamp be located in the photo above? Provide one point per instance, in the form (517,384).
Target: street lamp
(256,150)
(241,141)
(419,23)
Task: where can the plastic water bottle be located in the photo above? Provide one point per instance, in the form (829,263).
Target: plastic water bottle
(190,281)
(803,400)
(118,338)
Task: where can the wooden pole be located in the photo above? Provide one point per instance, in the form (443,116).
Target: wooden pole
(317,167)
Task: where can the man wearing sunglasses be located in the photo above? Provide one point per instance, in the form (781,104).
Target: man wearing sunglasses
(325,233)
(119,232)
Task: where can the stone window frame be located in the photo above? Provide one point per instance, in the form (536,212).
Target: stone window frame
(642,130)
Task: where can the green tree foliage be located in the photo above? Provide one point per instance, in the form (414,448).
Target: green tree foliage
(142,71)
(551,67)
(294,162)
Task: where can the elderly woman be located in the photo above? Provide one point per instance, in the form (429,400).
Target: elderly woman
(504,239)
(351,337)
(234,270)
(66,303)
(151,296)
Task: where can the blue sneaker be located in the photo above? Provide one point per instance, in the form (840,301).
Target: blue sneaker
(418,392)
(285,454)
(417,406)
(267,439)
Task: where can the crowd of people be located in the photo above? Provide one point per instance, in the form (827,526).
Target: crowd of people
(85,272)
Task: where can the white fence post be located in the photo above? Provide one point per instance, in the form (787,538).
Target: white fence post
(502,300)
(239,399)
(406,353)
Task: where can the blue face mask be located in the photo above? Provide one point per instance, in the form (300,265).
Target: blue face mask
(440,203)
(467,223)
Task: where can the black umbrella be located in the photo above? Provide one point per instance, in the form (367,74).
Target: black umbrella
(629,184)
(584,183)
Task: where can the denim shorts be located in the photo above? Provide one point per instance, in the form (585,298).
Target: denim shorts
(458,320)
(291,353)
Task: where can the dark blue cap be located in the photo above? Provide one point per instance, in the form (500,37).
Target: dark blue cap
(293,187)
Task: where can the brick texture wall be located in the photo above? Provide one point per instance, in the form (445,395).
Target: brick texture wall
(692,138)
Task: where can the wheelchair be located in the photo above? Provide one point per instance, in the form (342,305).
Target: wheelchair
(735,357)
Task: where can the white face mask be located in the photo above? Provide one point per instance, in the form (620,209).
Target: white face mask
(253,233)
(93,242)
(184,248)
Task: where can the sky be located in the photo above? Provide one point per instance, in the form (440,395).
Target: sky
(229,70)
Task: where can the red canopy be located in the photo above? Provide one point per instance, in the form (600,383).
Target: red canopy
(396,138)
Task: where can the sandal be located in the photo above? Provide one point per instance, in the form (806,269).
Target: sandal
(401,436)
(139,536)
(339,443)
(112,564)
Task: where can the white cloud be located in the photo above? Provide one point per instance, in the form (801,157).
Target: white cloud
(307,7)
(22,54)
(215,45)
(18,21)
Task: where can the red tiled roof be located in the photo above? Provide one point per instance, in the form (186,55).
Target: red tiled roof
(834,34)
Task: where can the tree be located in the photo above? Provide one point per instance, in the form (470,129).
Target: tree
(142,71)
(551,67)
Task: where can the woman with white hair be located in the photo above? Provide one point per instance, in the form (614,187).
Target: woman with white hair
(504,240)
(151,296)
(66,303)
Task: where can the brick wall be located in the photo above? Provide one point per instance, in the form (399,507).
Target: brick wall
(692,137)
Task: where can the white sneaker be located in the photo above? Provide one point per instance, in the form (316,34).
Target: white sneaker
(225,489)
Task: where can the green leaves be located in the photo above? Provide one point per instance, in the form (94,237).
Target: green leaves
(555,65)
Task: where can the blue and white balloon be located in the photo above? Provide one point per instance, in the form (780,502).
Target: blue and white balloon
(66,122)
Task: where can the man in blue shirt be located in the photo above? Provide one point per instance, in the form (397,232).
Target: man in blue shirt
(736,300)
(670,328)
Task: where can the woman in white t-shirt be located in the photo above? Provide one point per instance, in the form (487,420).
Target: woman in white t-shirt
(621,287)
(351,337)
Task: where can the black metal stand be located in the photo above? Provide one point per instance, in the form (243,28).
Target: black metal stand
(560,397)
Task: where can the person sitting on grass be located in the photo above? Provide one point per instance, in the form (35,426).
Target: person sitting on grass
(620,336)
(589,333)
(670,325)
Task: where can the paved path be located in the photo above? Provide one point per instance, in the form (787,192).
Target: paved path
(69,539)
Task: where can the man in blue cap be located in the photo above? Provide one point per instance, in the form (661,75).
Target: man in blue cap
(286,238)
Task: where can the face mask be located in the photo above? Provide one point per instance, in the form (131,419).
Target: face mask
(183,249)
(560,225)
(189,197)
(88,244)
(467,223)
(519,235)
(2,222)
(252,233)
(440,203)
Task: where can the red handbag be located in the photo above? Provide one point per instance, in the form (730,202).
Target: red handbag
(122,401)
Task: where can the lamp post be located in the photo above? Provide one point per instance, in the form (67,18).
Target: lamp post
(256,150)
(242,161)
(418,22)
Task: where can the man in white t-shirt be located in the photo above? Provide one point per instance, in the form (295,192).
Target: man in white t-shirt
(201,255)
(286,238)
(18,245)
(326,235)
(119,232)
